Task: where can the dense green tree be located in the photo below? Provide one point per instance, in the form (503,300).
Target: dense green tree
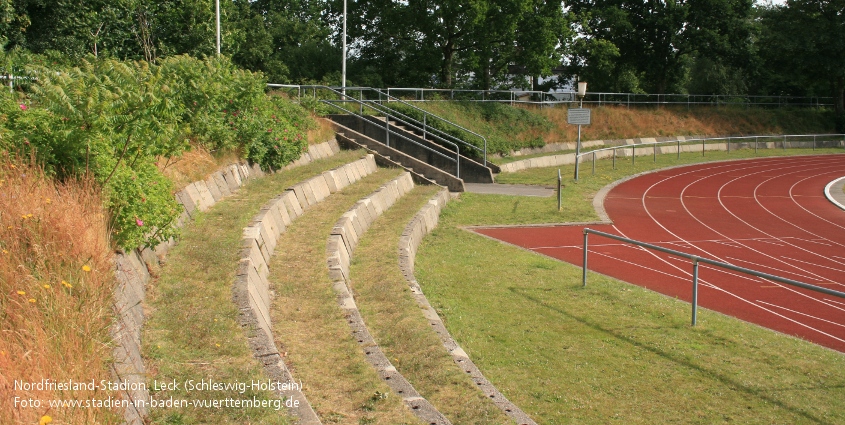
(803,44)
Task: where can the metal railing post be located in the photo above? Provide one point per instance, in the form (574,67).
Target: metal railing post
(679,149)
(387,130)
(655,153)
(584,268)
(594,163)
(425,125)
(703,141)
(814,142)
(558,189)
(634,154)
(729,144)
(614,158)
(694,289)
(755,145)
(783,144)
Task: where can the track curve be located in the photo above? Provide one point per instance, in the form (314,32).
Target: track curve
(769,215)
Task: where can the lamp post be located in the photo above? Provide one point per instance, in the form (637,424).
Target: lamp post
(582,91)
(343,64)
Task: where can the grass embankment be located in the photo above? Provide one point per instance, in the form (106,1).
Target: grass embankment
(612,351)
(395,320)
(340,384)
(510,128)
(192,330)
(56,280)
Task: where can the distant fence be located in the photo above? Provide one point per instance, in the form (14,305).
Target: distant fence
(692,145)
(539,98)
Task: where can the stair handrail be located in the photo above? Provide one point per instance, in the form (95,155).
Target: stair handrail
(409,121)
(347,98)
(426,113)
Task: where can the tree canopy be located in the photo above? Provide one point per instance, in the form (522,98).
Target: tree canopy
(725,47)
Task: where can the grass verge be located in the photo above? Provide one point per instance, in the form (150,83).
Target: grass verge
(612,352)
(56,307)
(311,328)
(192,331)
(397,324)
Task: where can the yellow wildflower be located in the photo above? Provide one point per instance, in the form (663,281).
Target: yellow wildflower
(32,300)
(86,268)
(46,286)
(21,293)
(66,285)
(47,201)
(5,251)
(45,420)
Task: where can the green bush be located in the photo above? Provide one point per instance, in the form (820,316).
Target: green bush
(113,119)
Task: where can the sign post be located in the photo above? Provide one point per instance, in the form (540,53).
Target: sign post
(579,117)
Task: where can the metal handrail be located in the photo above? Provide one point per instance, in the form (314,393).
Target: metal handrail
(695,260)
(387,127)
(426,113)
(389,98)
(782,138)
(409,121)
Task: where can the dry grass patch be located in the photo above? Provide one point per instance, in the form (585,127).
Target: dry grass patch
(399,327)
(194,165)
(310,326)
(56,280)
(323,132)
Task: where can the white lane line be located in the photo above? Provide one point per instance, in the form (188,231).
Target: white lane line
(815,265)
(681,197)
(801,313)
(763,266)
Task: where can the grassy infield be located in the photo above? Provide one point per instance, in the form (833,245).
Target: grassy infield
(612,352)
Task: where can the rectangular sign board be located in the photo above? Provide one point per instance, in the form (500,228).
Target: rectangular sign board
(578,116)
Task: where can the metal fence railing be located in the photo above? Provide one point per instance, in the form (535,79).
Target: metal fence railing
(695,261)
(796,140)
(604,98)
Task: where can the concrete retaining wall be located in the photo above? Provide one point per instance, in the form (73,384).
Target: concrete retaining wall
(339,250)
(424,222)
(644,149)
(132,270)
(251,290)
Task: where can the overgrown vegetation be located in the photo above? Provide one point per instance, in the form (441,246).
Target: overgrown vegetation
(56,282)
(114,120)
(511,128)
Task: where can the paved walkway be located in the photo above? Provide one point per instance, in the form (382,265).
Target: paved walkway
(509,189)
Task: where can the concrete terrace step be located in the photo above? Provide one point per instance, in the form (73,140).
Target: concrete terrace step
(251,288)
(340,248)
(423,223)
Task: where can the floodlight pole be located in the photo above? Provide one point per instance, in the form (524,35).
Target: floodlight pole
(217,10)
(343,65)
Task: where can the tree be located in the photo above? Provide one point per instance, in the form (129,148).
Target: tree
(804,43)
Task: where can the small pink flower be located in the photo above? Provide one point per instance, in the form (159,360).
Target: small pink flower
(138,221)
(24,107)
(269,130)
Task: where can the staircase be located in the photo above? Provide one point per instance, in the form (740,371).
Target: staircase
(379,126)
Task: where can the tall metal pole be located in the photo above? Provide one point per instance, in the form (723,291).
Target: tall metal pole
(578,144)
(343,66)
(217,9)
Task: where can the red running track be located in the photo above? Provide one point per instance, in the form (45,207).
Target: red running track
(768,215)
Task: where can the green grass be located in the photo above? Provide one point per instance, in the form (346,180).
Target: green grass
(342,387)
(399,327)
(612,352)
(191,330)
